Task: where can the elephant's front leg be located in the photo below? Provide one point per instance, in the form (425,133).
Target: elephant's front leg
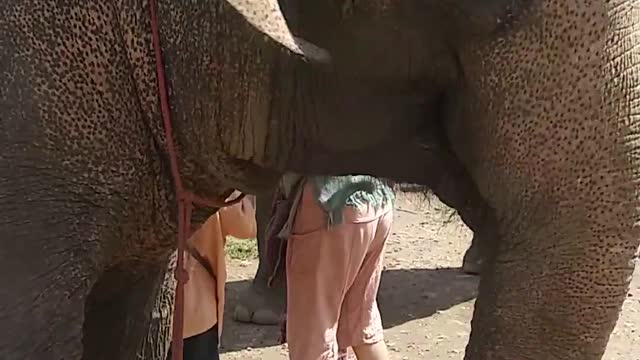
(47,252)
(56,302)
(118,309)
(261,304)
(553,149)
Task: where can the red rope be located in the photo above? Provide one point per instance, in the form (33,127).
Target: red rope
(186,200)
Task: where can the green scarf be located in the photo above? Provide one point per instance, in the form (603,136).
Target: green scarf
(334,193)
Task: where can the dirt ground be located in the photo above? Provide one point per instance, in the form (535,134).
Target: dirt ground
(425,300)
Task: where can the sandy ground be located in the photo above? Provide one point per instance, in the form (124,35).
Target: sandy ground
(425,300)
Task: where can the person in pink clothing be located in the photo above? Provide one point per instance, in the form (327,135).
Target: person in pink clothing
(204,292)
(334,260)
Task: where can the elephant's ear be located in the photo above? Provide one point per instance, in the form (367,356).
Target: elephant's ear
(267,17)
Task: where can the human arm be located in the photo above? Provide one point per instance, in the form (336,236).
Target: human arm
(239,220)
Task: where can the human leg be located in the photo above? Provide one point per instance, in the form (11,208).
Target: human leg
(375,351)
(203,346)
(360,323)
(319,269)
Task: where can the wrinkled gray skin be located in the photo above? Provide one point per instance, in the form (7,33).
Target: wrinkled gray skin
(538,101)
(519,114)
(264,305)
(87,210)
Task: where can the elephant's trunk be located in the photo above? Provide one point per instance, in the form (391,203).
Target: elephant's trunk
(553,149)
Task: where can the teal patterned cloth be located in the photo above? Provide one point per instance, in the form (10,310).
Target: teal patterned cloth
(334,193)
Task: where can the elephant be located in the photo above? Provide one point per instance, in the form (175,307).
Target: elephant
(519,114)
(537,101)
(519,99)
(88,203)
(263,303)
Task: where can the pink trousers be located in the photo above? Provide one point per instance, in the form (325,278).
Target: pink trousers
(333,275)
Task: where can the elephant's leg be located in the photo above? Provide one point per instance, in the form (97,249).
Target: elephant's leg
(473,260)
(57,233)
(553,149)
(41,318)
(47,262)
(462,195)
(454,188)
(156,344)
(118,311)
(261,304)
(41,302)
(475,254)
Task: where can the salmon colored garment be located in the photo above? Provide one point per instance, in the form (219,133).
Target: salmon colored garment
(201,310)
(333,276)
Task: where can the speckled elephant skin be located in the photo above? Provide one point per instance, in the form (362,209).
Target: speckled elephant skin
(521,114)
(538,100)
(87,210)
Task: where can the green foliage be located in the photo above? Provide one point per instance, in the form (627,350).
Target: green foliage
(241,249)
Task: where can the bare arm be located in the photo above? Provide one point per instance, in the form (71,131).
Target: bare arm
(239,220)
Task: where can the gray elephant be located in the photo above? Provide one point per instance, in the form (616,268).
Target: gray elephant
(263,303)
(536,100)
(87,210)
(521,113)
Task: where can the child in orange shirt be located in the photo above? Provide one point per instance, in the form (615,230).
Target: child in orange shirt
(204,292)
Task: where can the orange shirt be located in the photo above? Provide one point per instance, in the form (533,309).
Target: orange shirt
(201,310)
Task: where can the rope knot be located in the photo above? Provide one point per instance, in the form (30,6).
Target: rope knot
(185,197)
(181,275)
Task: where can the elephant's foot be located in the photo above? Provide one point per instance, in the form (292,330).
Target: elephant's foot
(260,305)
(472,261)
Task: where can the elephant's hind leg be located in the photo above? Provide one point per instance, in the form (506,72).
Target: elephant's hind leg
(118,311)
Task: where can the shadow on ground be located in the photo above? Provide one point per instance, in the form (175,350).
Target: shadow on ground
(405,295)
(409,294)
